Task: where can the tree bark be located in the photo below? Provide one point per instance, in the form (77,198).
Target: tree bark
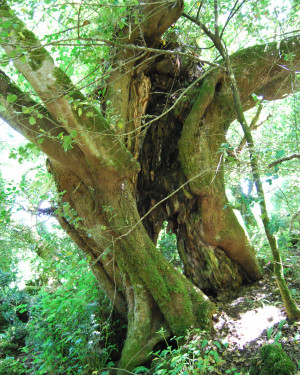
(136,277)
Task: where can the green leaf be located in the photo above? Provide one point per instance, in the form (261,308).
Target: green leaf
(26,110)
(204,343)
(23,59)
(73,133)
(277,337)
(269,332)
(218,345)
(6,24)
(140,369)
(2,108)
(32,121)
(281,323)
(225,344)
(90,114)
(279,154)
(79,111)
(216,356)
(11,98)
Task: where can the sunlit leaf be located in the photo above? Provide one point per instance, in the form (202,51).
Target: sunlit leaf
(11,98)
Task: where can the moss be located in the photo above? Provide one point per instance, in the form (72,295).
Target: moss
(187,193)
(272,360)
(192,144)
(26,36)
(61,77)
(36,58)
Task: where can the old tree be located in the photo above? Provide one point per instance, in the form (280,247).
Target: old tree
(136,142)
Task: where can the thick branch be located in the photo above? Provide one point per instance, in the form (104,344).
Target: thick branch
(156,18)
(291,307)
(105,280)
(275,69)
(61,99)
(43,131)
(265,69)
(262,70)
(190,151)
(153,20)
(289,157)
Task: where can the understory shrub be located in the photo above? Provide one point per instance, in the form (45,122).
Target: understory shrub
(13,315)
(272,360)
(10,366)
(192,355)
(69,328)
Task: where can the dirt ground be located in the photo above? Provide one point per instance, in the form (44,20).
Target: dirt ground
(253,317)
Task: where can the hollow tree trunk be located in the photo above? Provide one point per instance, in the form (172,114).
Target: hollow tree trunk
(213,246)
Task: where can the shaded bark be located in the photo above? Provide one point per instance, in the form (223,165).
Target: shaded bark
(214,249)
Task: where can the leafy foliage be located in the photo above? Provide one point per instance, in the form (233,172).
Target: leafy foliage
(69,330)
(10,366)
(194,354)
(61,313)
(167,244)
(13,317)
(274,361)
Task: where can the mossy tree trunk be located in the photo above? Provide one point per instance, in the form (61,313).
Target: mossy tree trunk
(136,277)
(114,175)
(291,307)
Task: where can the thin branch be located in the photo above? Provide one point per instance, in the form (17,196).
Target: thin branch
(216,12)
(199,9)
(285,158)
(101,41)
(252,127)
(232,14)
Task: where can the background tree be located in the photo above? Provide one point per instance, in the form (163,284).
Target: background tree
(137,142)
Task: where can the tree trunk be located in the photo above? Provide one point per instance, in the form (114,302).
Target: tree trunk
(137,278)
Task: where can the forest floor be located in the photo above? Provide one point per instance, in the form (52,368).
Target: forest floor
(253,317)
